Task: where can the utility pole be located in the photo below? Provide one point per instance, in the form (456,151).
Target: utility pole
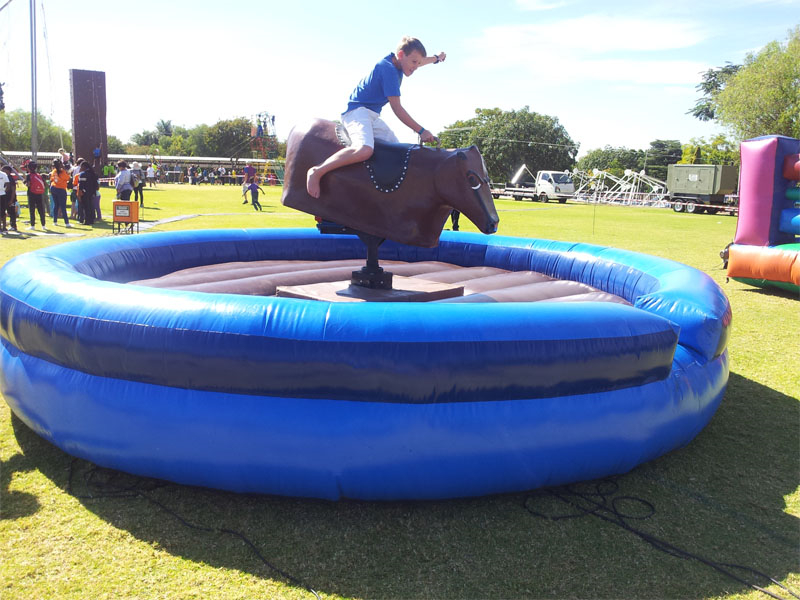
(34,127)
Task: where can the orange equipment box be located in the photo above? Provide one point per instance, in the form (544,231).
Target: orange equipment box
(126,213)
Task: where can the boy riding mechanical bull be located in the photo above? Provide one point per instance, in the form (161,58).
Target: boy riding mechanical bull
(362,117)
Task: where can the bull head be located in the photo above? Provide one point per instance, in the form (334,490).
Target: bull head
(462,180)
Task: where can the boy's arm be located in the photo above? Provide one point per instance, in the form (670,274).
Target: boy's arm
(405,119)
(432,60)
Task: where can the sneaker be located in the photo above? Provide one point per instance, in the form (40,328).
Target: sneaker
(31,228)
(68,225)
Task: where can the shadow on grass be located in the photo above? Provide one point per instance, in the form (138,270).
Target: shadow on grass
(772,291)
(15,504)
(104,225)
(721,498)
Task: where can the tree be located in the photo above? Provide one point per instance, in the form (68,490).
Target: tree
(197,141)
(660,154)
(146,138)
(654,160)
(508,139)
(718,151)
(714,81)
(178,146)
(763,97)
(115,145)
(760,97)
(230,138)
(164,128)
(15,132)
(613,160)
(138,149)
(281,151)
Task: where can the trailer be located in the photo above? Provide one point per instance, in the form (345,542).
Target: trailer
(703,188)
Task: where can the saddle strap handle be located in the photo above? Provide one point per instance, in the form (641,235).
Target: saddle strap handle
(438,142)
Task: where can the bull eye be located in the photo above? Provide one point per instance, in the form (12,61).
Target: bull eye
(474,182)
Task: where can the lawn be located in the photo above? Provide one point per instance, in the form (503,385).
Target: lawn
(664,530)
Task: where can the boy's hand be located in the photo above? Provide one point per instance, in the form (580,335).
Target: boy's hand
(426,136)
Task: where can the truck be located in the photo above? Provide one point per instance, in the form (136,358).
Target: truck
(545,186)
(703,188)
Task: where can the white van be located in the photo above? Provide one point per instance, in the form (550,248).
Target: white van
(554,185)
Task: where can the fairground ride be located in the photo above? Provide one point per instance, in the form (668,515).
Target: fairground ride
(264,145)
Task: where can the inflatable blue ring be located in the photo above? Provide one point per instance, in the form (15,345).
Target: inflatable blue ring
(358,400)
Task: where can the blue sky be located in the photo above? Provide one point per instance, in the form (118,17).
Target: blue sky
(617,73)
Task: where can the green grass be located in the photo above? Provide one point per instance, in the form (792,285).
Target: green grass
(730,496)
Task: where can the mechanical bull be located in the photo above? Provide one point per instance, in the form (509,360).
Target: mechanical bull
(404,192)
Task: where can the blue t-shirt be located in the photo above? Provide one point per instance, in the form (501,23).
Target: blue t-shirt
(374,90)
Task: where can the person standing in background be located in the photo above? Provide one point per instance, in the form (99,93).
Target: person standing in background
(36,192)
(59,179)
(66,159)
(138,183)
(87,192)
(8,198)
(123,182)
(249,173)
(73,189)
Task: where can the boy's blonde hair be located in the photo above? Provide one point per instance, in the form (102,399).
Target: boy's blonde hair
(410,44)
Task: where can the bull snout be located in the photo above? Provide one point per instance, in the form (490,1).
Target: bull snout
(490,227)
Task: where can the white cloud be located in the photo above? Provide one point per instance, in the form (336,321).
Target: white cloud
(649,72)
(540,4)
(591,34)
(593,48)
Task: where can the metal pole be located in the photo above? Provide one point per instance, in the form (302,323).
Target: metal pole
(34,109)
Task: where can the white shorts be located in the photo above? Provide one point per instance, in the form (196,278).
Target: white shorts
(364,126)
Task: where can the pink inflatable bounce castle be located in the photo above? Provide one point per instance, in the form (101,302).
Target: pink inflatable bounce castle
(765,250)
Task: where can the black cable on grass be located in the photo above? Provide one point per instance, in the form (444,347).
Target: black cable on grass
(106,483)
(600,501)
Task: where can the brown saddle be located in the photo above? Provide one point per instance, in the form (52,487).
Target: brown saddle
(388,165)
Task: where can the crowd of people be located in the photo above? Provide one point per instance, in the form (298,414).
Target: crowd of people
(48,193)
(196,175)
(65,181)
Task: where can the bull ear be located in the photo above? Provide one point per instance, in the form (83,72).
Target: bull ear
(461,155)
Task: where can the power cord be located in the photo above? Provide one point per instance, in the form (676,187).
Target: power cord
(601,501)
(108,483)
